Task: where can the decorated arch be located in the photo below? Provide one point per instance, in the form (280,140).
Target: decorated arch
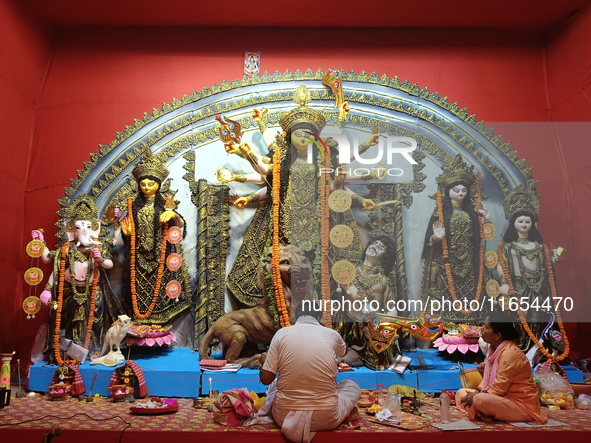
(183,135)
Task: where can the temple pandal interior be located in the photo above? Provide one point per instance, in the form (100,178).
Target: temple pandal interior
(414,175)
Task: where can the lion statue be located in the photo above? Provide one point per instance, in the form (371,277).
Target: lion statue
(256,325)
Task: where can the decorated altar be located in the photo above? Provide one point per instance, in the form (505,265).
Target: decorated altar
(421,152)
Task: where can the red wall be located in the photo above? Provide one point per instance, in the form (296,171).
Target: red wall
(24,58)
(100,80)
(569,97)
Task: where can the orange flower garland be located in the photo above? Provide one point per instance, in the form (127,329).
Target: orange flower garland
(92,305)
(481,256)
(450,280)
(132,273)
(279,294)
(60,302)
(522,318)
(324,238)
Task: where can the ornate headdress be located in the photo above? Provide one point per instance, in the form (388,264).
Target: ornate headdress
(82,208)
(521,199)
(149,166)
(302,114)
(456,172)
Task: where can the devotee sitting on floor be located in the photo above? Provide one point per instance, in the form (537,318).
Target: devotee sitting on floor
(306,395)
(507,391)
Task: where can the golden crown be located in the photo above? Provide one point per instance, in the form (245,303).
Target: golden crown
(520,199)
(302,114)
(149,165)
(82,208)
(456,172)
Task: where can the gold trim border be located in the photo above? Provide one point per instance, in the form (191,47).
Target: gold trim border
(187,120)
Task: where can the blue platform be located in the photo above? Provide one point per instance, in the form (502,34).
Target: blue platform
(169,373)
(175,373)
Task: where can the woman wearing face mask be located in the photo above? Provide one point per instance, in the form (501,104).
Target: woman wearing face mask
(507,391)
(526,267)
(452,252)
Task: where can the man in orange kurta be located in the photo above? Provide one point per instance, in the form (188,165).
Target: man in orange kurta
(511,394)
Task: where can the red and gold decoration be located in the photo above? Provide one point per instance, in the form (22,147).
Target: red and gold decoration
(424,327)
(33,276)
(125,378)
(31,306)
(35,248)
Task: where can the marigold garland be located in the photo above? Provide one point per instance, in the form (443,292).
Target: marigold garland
(450,281)
(324,239)
(60,302)
(279,295)
(522,318)
(132,272)
(92,305)
(269,280)
(481,256)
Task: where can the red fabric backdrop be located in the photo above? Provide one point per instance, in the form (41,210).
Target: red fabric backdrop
(24,57)
(569,100)
(99,80)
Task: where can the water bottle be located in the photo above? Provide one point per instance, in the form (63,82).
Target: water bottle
(444,401)
(380,395)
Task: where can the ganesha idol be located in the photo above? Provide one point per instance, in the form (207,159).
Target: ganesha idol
(81,300)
